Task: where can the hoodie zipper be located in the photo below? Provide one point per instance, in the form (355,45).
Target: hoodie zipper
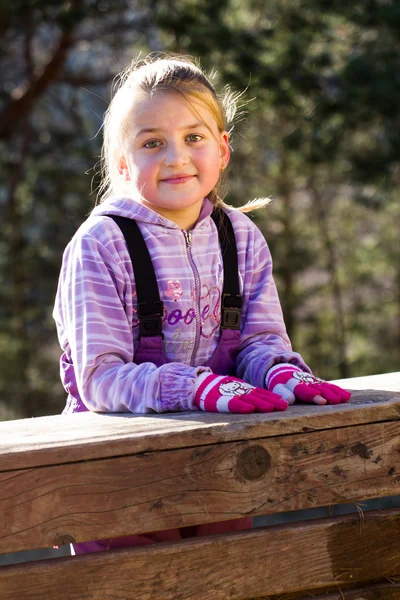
(188,240)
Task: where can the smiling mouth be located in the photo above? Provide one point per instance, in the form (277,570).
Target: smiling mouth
(177,179)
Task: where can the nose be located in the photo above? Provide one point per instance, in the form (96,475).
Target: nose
(176,154)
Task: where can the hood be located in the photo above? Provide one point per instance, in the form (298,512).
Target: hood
(127,207)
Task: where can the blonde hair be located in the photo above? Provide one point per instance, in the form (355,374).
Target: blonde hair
(163,73)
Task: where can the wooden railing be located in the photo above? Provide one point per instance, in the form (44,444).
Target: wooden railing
(90,476)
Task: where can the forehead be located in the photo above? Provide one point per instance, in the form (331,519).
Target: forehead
(166,110)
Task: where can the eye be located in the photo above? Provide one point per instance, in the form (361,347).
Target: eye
(152,144)
(194,137)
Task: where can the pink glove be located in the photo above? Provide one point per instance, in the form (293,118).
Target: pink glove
(223,394)
(292,384)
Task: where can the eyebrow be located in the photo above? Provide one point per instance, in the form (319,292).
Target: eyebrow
(155,129)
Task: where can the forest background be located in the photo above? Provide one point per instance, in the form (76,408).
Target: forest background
(321,136)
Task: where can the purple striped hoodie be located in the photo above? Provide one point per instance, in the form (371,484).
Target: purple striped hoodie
(96,318)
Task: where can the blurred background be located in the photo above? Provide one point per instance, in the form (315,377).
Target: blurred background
(321,136)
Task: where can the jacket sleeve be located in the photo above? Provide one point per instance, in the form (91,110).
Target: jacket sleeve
(264,341)
(93,313)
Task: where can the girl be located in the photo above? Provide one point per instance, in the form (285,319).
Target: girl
(166,300)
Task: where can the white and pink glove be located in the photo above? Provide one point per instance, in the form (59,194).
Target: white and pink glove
(293,384)
(223,394)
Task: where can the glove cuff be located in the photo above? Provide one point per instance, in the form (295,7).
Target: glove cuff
(201,377)
(278,369)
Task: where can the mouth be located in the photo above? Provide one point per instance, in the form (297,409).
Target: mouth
(178,179)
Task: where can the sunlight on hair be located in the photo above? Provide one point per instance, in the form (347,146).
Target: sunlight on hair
(255,204)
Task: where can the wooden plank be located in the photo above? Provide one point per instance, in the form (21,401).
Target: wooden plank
(85,436)
(162,490)
(310,555)
(379,591)
(389,382)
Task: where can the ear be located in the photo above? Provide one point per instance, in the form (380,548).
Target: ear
(123,168)
(224,150)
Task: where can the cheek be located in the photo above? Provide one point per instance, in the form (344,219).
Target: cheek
(214,172)
(210,161)
(142,169)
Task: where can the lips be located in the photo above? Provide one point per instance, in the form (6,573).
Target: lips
(178,178)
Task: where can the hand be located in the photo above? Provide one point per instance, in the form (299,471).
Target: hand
(292,384)
(223,394)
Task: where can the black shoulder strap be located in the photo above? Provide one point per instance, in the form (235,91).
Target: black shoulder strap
(150,307)
(232,301)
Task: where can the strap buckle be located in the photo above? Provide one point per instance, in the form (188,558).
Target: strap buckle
(231,308)
(150,318)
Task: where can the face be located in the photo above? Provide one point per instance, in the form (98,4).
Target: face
(173,155)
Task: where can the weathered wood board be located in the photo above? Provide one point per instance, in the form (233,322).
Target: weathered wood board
(80,501)
(385,381)
(380,591)
(275,560)
(86,436)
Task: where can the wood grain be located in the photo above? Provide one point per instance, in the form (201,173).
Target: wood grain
(86,500)
(275,560)
(86,436)
(382,591)
(388,381)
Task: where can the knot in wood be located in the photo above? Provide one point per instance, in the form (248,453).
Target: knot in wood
(253,462)
(64,538)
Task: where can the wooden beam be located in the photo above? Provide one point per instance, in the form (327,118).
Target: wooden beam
(381,591)
(283,559)
(87,500)
(388,381)
(86,436)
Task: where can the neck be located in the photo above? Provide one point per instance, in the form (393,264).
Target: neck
(185,219)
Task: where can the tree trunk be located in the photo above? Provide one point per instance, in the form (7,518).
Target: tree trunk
(332,266)
(288,299)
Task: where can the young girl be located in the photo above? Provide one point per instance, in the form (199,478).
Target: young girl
(166,300)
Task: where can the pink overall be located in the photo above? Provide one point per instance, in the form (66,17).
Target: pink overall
(223,363)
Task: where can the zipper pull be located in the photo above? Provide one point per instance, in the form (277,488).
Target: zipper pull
(188,237)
